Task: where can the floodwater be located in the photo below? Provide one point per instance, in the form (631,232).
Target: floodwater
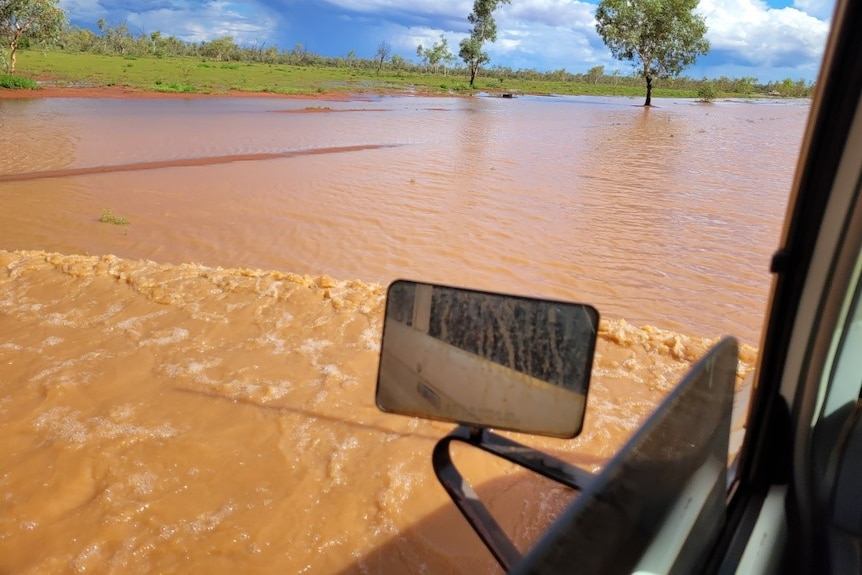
(193,392)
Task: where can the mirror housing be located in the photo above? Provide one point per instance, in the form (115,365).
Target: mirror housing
(483,359)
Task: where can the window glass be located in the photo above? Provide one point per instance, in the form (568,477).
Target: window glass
(842,383)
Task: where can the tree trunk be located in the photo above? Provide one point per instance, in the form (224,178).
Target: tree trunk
(473,69)
(648,91)
(13,53)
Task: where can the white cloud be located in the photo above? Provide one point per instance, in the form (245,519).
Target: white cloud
(821,9)
(207,21)
(759,35)
(406,39)
(89,10)
(566,14)
(438,7)
(247,22)
(561,33)
(557,33)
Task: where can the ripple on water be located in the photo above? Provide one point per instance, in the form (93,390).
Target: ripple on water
(232,410)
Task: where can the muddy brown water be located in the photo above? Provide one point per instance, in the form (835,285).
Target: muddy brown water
(194,392)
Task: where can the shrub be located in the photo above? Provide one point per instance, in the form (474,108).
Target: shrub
(706,92)
(17,83)
(161,86)
(109,217)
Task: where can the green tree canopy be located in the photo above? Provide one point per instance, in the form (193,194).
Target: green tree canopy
(484,30)
(595,74)
(437,53)
(34,20)
(660,37)
(222,48)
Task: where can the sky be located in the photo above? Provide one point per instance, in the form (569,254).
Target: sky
(770,40)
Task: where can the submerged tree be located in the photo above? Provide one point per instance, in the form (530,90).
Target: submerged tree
(28,20)
(660,37)
(484,30)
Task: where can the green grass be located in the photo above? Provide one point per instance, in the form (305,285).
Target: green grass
(109,217)
(191,75)
(173,87)
(17,82)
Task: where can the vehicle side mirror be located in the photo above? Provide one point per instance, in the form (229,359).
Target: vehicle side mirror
(486,360)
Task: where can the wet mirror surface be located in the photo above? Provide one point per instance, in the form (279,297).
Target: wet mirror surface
(486,359)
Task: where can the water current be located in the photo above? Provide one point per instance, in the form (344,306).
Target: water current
(193,392)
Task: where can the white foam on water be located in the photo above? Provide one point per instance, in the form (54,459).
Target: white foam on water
(108,429)
(370,338)
(48,372)
(196,367)
(62,424)
(319,398)
(112,310)
(78,375)
(143,483)
(193,370)
(276,391)
(89,559)
(272,290)
(207,522)
(172,337)
(271,340)
(59,319)
(132,325)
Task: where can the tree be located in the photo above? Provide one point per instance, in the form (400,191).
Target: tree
(398,63)
(299,53)
(660,37)
(118,38)
(484,29)
(222,48)
(30,20)
(595,74)
(383,52)
(439,51)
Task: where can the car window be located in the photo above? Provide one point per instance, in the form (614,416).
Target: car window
(841,384)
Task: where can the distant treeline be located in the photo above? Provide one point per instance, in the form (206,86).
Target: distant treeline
(119,40)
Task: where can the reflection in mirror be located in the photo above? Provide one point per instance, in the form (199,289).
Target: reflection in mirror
(485,359)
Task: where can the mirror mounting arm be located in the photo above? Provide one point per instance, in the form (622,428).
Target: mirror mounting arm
(468,502)
(475,434)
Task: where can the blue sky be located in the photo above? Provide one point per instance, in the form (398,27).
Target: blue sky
(770,40)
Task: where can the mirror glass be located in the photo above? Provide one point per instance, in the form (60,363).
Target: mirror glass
(486,359)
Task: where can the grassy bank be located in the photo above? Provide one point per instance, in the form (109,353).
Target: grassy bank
(193,75)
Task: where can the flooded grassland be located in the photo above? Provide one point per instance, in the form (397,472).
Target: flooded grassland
(179,416)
